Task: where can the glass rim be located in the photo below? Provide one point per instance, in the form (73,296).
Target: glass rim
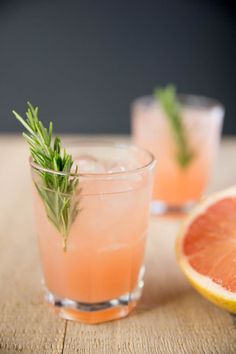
(185,99)
(151,160)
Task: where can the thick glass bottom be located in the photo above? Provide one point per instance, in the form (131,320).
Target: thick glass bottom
(96,312)
(162,208)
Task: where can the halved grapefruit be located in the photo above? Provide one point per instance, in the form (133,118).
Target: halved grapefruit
(206,248)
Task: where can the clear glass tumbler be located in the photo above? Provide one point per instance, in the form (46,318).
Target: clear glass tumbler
(177,188)
(94,272)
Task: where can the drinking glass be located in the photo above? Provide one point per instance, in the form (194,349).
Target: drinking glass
(177,188)
(98,276)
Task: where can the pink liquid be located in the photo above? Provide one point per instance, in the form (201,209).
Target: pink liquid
(173,184)
(106,243)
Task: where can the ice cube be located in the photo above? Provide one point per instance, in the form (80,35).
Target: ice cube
(121,166)
(89,164)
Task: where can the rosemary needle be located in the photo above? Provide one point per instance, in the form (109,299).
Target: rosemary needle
(56,190)
(169,103)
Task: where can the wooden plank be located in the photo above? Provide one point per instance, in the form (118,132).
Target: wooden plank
(26,324)
(171,318)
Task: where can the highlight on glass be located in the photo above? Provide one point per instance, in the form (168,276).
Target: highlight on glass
(183,132)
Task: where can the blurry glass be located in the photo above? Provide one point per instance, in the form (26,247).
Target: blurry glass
(176,187)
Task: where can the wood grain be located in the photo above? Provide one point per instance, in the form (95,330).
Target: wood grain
(171,318)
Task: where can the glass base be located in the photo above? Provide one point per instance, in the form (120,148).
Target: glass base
(96,312)
(162,208)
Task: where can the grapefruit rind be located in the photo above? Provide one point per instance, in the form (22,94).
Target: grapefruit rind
(203,284)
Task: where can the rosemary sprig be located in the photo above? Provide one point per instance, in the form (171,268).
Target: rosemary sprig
(56,190)
(169,102)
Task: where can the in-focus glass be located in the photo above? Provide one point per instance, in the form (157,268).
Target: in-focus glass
(99,276)
(177,188)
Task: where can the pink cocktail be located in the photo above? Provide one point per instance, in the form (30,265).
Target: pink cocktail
(99,276)
(177,187)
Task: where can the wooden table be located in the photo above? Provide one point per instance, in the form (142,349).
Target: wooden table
(171,318)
